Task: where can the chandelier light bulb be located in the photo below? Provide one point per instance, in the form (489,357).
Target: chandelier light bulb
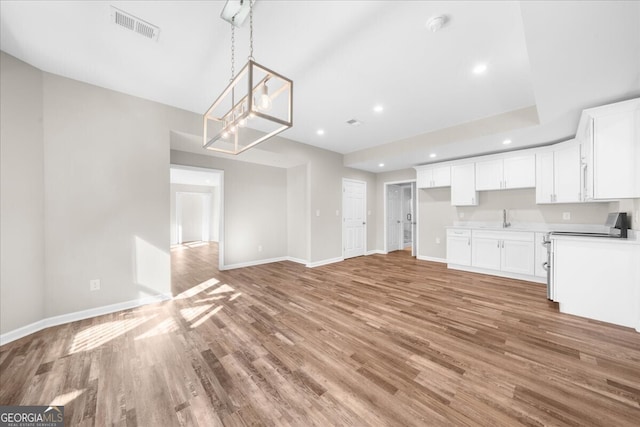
(263,100)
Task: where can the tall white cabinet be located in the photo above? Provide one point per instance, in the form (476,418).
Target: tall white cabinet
(463,185)
(558,173)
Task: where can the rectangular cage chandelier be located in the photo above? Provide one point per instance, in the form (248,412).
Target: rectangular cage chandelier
(255,106)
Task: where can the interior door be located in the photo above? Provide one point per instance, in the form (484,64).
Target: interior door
(394,219)
(193,217)
(354,206)
(414,222)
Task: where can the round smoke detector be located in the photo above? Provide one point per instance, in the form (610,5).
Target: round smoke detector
(437,22)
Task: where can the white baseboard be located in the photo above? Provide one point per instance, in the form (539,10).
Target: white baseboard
(517,276)
(431,258)
(297,260)
(324,262)
(79,315)
(376,252)
(254,263)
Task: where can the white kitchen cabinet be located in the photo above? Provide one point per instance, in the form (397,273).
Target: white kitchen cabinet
(433,176)
(506,173)
(610,136)
(540,255)
(509,251)
(459,246)
(598,278)
(463,185)
(558,173)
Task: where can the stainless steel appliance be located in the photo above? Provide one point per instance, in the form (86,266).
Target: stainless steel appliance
(616,223)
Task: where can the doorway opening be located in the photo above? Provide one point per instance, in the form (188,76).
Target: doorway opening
(400,225)
(196,220)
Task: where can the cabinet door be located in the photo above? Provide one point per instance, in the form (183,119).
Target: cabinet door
(616,155)
(489,175)
(423,178)
(566,171)
(459,250)
(441,176)
(463,185)
(544,177)
(519,172)
(540,255)
(517,256)
(485,253)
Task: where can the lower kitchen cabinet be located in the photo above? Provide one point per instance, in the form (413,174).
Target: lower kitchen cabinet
(459,247)
(508,251)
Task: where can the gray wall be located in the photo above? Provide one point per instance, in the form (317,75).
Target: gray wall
(298,213)
(106,177)
(21,195)
(255,207)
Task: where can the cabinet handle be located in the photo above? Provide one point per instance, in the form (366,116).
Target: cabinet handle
(469,241)
(498,243)
(503,244)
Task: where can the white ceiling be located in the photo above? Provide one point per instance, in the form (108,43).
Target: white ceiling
(347,56)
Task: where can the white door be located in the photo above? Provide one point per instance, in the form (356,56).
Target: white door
(354,206)
(486,253)
(414,222)
(518,257)
(394,222)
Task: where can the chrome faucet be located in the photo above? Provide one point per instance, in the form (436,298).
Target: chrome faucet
(505,224)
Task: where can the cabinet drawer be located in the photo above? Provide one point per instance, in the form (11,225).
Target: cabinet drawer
(461,232)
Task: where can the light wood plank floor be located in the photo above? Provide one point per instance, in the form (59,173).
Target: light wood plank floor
(377,340)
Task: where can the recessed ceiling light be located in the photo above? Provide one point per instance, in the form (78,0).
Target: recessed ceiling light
(506,142)
(320,131)
(432,155)
(437,22)
(381,165)
(480,68)
(378,108)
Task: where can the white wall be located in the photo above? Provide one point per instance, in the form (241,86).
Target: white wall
(21,195)
(214,193)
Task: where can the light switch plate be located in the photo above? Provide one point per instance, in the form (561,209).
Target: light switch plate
(566,216)
(94,285)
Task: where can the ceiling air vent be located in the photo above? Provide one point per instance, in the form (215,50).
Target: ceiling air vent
(135,24)
(354,122)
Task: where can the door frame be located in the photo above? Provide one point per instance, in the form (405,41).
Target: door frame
(366,219)
(416,213)
(221,237)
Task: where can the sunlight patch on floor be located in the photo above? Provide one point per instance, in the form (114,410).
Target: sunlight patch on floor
(95,336)
(205,317)
(197,289)
(221,289)
(191,313)
(65,398)
(165,327)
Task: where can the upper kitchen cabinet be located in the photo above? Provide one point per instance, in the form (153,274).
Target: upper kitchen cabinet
(558,174)
(463,185)
(610,138)
(514,171)
(433,176)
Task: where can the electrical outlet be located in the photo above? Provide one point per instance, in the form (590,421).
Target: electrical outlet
(259,248)
(438,240)
(566,216)
(94,285)
(461,214)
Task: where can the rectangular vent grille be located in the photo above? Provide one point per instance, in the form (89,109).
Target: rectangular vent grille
(354,122)
(132,23)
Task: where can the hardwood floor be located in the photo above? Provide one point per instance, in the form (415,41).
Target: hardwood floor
(377,340)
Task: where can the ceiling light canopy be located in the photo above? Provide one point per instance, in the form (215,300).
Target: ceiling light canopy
(256,105)
(480,68)
(437,23)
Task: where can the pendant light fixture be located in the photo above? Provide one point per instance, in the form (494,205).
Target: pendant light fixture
(255,105)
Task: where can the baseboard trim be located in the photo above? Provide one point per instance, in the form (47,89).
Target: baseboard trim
(516,276)
(254,263)
(376,252)
(324,262)
(297,260)
(431,258)
(79,315)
